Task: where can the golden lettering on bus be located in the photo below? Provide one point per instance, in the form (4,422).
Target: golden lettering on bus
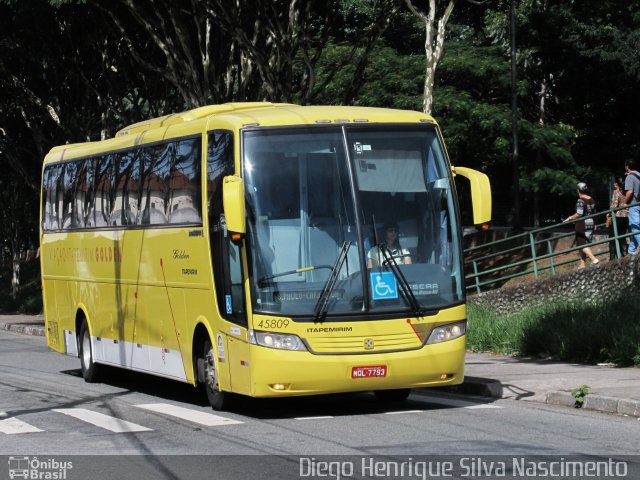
(84,255)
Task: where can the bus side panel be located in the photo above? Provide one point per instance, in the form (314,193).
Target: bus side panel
(174,269)
(55,273)
(200,305)
(222,347)
(170,323)
(240,365)
(52,322)
(64,309)
(139,332)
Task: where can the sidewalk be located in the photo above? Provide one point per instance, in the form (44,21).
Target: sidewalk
(27,324)
(612,390)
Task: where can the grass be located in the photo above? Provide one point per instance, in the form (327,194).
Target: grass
(607,331)
(29,298)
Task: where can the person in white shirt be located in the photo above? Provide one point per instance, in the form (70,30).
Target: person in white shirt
(375,257)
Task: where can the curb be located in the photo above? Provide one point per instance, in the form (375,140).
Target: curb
(24,329)
(600,403)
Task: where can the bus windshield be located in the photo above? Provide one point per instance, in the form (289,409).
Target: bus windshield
(350,220)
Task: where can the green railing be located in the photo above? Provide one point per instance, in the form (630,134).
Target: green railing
(531,252)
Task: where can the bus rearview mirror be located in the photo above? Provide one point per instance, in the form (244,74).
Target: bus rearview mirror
(480,193)
(233,202)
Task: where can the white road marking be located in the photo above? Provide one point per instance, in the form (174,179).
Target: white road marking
(403,411)
(484,405)
(202,418)
(314,418)
(103,421)
(12,426)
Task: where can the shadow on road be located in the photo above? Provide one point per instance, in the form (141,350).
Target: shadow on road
(334,405)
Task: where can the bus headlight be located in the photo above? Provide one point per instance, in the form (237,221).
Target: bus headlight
(444,333)
(278,341)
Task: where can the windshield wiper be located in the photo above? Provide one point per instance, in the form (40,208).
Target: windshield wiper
(405,288)
(327,290)
(263,281)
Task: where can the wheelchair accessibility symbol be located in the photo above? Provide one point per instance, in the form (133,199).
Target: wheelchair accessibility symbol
(383,286)
(229,305)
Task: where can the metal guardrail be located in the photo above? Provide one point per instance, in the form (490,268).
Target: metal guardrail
(538,254)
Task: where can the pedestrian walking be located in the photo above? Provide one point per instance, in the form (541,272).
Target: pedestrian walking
(585,206)
(632,196)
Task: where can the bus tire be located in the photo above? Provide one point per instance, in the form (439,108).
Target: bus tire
(91,371)
(392,396)
(218,399)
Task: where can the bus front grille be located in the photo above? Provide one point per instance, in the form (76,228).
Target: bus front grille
(364,344)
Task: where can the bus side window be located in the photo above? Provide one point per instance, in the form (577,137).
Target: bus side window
(185,199)
(230,289)
(226,255)
(69,219)
(75,192)
(50,219)
(219,164)
(85,191)
(100,208)
(125,205)
(156,165)
(58,211)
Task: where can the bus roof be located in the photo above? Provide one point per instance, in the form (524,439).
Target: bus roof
(239,115)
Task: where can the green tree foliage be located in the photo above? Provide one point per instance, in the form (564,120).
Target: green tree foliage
(601,79)
(579,77)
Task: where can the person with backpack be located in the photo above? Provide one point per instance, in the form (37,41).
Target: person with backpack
(585,205)
(632,196)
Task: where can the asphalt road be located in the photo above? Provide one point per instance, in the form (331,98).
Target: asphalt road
(50,411)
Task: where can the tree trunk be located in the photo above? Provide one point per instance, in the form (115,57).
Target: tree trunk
(433,46)
(514,121)
(538,161)
(15,279)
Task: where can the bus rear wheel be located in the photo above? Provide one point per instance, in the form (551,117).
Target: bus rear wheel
(392,396)
(91,371)
(208,374)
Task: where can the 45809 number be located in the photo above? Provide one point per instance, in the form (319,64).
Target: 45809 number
(273,323)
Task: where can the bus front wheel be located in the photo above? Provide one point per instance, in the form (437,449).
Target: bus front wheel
(218,399)
(90,369)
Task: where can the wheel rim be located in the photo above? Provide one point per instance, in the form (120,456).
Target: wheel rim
(86,349)
(210,376)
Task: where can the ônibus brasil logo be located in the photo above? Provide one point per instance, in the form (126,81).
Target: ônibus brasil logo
(38,469)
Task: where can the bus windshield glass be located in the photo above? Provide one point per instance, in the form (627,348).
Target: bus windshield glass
(350,220)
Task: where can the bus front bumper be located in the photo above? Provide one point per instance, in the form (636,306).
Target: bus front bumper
(279,373)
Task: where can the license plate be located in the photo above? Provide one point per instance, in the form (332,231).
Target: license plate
(369,372)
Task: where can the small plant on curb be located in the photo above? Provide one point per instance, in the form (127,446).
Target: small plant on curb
(579,394)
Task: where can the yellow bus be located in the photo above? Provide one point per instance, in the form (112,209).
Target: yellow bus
(261,249)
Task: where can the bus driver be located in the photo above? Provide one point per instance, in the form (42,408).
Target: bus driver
(375,257)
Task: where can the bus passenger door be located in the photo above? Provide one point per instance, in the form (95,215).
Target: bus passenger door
(231,342)
(231,302)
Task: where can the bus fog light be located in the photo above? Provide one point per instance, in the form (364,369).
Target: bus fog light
(278,341)
(279,386)
(444,333)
